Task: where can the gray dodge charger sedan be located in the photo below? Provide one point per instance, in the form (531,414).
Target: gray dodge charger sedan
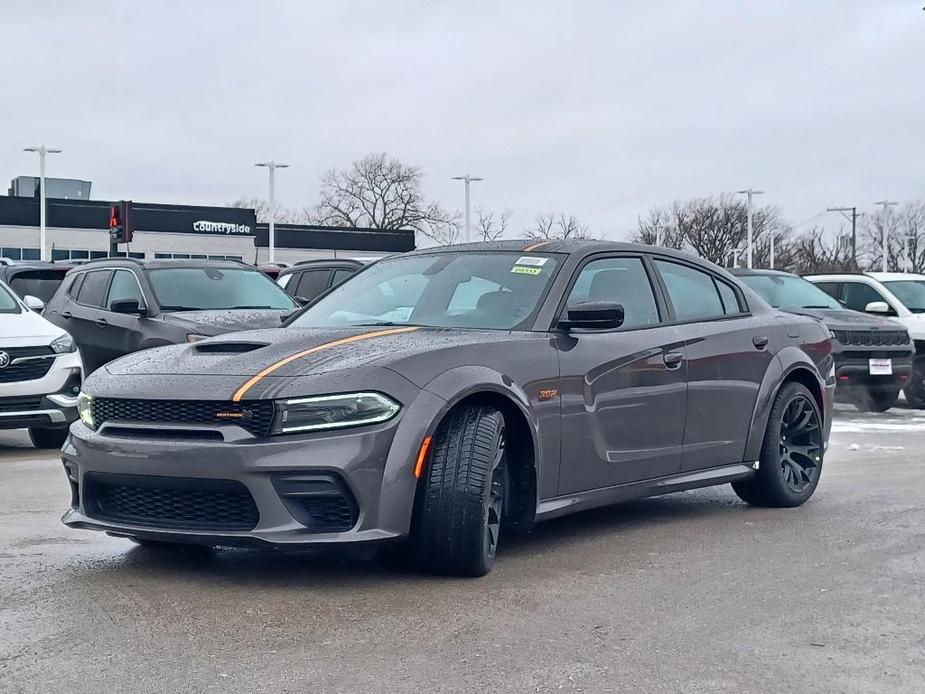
(439,397)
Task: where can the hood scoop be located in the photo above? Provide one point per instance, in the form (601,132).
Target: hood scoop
(229,347)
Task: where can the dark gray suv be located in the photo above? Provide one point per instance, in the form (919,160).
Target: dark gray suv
(117,306)
(442,396)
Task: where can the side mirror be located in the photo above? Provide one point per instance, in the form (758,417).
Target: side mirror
(129,306)
(594,315)
(877,307)
(33,303)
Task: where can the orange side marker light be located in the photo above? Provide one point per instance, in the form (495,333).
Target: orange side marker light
(422,456)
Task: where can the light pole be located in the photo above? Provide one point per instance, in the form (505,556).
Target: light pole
(468,179)
(659,228)
(272,166)
(749,192)
(886,204)
(42,151)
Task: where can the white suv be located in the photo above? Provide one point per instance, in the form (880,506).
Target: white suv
(896,295)
(40,372)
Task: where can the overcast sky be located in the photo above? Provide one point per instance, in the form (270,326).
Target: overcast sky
(597,109)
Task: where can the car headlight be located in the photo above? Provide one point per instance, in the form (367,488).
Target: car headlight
(63,344)
(195,337)
(333,412)
(85,409)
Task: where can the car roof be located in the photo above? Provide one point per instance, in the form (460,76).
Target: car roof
(893,276)
(159,263)
(575,247)
(746,272)
(322,262)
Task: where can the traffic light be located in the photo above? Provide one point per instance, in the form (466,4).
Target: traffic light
(121,228)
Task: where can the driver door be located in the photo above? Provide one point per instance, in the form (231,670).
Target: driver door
(623,391)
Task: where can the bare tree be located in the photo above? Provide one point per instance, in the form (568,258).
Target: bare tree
(381,192)
(284,215)
(489,226)
(557,226)
(817,251)
(905,233)
(714,228)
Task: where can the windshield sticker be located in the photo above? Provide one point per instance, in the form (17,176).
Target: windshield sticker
(521,270)
(531,260)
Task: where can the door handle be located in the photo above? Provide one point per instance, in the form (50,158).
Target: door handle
(760,341)
(102,322)
(65,314)
(673,359)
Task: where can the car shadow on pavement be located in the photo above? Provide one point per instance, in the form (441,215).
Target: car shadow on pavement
(361,567)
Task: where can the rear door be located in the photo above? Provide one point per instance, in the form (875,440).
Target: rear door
(728,352)
(622,391)
(83,315)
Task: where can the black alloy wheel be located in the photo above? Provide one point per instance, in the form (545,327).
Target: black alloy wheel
(792,452)
(800,444)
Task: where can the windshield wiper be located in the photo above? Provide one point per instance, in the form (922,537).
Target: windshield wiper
(168,307)
(232,308)
(386,323)
(814,306)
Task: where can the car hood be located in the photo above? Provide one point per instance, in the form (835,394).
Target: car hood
(296,352)
(26,328)
(225,321)
(845,319)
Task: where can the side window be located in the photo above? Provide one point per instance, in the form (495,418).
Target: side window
(340,275)
(729,297)
(312,283)
(693,293)
(124,286)
(833,289)
(93,290)
(858,295)
(620,280)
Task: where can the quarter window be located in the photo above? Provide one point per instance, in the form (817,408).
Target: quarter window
(618,280)
(693,293)
(729,297)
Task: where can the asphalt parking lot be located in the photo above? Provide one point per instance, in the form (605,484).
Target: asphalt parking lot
(694,592)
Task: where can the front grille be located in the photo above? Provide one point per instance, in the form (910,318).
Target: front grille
(170,502)
(257,415)
(27,370)
(872,338)
(321,502)
(21,404)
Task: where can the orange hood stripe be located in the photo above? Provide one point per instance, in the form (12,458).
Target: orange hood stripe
(239,393)
(534,246)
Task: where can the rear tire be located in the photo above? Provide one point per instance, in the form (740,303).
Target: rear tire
(915,389)
(875,399)
(457,516)
(48,437)
(791,456)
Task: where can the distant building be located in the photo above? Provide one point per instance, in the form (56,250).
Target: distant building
(64,188)
(79,228)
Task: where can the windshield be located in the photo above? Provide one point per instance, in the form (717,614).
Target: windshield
(8,303)
(212,288)
(499,291)
(789,291)
(910,292)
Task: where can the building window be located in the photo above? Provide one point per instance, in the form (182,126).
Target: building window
(81,254)
(188,256)
(20,253)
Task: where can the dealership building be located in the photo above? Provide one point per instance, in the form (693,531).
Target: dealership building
(78,228)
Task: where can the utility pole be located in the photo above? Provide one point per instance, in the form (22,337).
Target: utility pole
(885,216)
(42,151)
(749,192)
(272,166)
(468,179)
(854,229)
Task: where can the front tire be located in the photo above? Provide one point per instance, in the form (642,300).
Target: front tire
(457,518)
(791,456)
(47,437)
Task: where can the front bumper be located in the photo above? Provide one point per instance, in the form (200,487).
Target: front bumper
(49,401)
(371,467)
